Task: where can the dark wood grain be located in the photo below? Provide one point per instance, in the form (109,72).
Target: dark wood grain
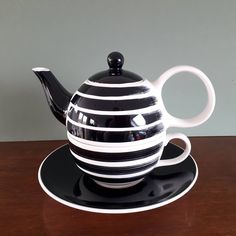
(208,209)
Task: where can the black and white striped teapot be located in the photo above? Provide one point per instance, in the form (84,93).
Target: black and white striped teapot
(117,122)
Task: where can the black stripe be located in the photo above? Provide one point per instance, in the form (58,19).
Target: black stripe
(114,170)
(112,121)
(113,105)
(107,91)
(113,136)
(115,157)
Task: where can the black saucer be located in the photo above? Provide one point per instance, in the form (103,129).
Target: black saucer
(62,180)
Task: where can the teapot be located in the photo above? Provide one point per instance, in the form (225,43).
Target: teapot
(117,123)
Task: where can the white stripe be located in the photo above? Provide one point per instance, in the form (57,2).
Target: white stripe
(112,98)
(116,147)
(117,113)
(117,176)
(123,85)
(119,164)
(156,138)
(113,129)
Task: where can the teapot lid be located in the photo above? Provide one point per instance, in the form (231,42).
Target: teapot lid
(115,74)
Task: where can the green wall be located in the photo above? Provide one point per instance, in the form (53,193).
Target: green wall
(73,38)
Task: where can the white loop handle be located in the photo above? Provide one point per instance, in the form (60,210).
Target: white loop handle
(182,156)
(207,111)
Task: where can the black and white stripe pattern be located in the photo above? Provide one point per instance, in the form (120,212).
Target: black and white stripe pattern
(115,130)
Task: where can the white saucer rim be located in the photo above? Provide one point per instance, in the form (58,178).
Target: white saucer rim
(114,211)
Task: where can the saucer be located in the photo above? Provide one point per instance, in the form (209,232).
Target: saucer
(62,180)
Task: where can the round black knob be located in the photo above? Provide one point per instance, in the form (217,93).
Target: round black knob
(115,60)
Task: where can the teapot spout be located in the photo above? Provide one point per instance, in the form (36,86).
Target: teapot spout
(58,97)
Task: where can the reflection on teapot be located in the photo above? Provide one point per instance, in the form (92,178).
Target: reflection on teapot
(117,122)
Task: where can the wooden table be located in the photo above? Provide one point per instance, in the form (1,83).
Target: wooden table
(208,209)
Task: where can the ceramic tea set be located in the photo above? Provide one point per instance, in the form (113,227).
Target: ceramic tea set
(118,142)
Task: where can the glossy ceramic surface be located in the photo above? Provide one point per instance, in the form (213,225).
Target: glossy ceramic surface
(63,181)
